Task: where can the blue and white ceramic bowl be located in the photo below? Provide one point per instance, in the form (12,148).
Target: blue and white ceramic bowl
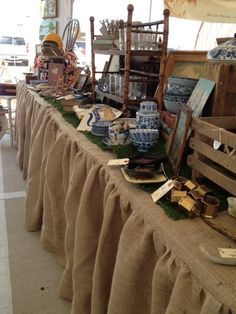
(142,146)
(147,120)
(178,89)
(182,81)
(149,106)
(173,102)
(177,92)
(144,135)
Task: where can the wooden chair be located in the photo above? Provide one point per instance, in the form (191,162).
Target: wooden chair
(138,62)
(70,34)
(158,31)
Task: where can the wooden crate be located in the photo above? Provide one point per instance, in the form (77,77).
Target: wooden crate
(217,165)
(223,100)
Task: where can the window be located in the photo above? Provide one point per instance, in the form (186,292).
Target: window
(5,40)
(19,41)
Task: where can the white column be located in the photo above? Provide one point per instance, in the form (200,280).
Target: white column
(64,10)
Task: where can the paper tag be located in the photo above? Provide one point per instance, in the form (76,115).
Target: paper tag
(216,144)
(166,187)
(118,162)
(227,253)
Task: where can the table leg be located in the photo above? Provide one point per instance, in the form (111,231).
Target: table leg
(10,120)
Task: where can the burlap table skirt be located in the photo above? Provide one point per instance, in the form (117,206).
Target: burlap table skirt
(120,253)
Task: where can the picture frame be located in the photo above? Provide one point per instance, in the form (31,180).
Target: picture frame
(47,26)
(185,64)
(82,82)
(48,9)
(179,137)
(199,96)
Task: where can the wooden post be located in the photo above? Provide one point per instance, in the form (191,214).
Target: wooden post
(130,9)
(92,59)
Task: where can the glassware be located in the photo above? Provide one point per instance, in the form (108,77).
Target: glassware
(140,88)
(112,83)
(133,88)
(134,41)
(122,38)
(119,85)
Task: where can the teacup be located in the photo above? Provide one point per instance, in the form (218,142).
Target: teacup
(119,134)
(210,206)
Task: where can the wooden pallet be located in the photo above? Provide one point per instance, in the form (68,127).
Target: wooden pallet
(217,165)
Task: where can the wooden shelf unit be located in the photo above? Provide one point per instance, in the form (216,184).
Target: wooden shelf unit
(128,54)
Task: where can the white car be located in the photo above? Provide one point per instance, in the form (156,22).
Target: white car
(14,50)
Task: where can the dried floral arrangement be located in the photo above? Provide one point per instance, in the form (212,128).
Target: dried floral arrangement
(110,27)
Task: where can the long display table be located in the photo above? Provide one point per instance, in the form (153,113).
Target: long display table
(119,251)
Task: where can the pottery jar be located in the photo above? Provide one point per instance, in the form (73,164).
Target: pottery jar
(226,52)
(147,119)
(148,106)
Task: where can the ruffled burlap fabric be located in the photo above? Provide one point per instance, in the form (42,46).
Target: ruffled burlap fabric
(119,252)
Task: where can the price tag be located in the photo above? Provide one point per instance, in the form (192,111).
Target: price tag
(227,253)
(216,144)
(166,187)
(118,162)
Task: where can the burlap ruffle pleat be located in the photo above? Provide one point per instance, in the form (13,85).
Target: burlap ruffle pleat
(119,252)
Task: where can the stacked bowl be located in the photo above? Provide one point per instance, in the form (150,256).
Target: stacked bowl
(177,92)
(100,128)
(147,122)
(144,139)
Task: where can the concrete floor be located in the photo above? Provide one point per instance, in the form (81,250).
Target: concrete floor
(29,275)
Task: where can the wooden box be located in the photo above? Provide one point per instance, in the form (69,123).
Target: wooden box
(223,102)
(218,165)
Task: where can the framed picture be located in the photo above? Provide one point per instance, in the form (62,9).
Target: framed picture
(48,9)
(82,82)
(199,96)
(179,137)
(46,26)
(185,64)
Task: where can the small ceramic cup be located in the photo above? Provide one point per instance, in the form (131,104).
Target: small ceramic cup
(232,206)
(118,134)
(210,206)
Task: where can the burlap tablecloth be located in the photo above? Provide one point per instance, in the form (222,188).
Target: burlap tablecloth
(120,253)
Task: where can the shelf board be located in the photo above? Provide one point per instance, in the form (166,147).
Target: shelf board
(143,73)
(115,52)
(120,99)
(110,52)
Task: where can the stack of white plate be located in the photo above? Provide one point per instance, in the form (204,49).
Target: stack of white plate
(100,128)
